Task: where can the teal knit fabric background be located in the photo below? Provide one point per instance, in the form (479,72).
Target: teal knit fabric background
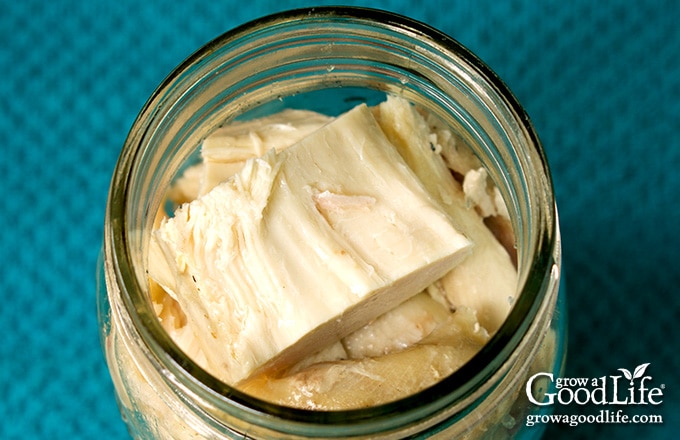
(600,80)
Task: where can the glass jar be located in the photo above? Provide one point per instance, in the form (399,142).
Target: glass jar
(328,60)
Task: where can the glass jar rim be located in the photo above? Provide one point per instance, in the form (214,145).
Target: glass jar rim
(460,384)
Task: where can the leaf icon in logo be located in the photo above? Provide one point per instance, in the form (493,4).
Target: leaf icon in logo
(637,373)
(627,374)
(640,370)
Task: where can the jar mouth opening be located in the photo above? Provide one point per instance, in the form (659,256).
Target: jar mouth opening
(460,384)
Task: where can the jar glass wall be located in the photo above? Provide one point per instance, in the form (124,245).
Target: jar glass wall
(328,60)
